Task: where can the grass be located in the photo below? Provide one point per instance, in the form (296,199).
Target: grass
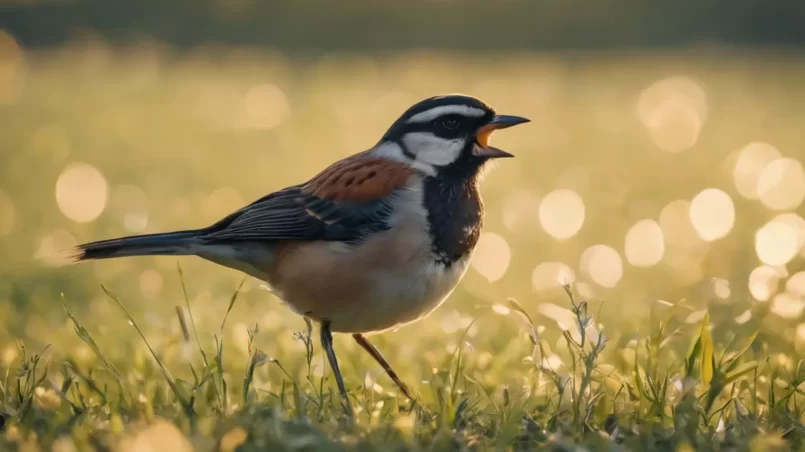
(708,397)
(138,356)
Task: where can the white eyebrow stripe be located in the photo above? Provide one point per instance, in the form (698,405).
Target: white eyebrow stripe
(435,112)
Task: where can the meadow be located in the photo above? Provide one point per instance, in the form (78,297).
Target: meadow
(640,284)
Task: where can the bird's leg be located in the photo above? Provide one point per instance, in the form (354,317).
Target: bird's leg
(361,339)
(327,343)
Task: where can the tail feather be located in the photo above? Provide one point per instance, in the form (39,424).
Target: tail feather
(171,243)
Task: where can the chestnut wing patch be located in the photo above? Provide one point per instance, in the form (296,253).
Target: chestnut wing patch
(346,202)
(358,179)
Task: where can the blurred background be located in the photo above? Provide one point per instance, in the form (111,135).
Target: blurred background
(664,160)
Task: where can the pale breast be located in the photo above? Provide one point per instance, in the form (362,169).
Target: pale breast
(389,278)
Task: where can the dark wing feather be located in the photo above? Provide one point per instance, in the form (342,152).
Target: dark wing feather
(345,202)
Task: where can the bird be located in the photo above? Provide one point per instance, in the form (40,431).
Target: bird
(376,240)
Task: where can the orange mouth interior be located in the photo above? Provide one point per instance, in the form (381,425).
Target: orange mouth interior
(483,135)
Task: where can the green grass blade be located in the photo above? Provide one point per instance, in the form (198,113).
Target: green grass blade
(84,335)
(706,350)
(180,394)
(195,331)
(740,371)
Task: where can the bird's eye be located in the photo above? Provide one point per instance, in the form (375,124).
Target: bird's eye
(450,123)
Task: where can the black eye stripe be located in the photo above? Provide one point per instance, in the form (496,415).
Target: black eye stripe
(465,130)
(466,126)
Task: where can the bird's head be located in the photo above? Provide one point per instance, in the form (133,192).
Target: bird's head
(446,134)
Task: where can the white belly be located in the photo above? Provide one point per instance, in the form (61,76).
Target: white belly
(384,282)
(397,299)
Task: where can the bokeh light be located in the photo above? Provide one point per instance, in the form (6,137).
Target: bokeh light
(645,244)
(797,223)
(788,305)
(776,243)
(743,317)
(796,284)
(561,213)
(264,107)
(602,264)
(7,213)
(721,288)
(12,68)
(781,185)
(751,162)
(551,275)
(674,110)
(81,192)
(712,214)
(492,256)
(764,282)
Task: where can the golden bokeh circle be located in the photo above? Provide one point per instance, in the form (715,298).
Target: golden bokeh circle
(788,305)
(796,284)
(781,185)
(712,214)
(764,282)
(603,265)
(797,223)
(645,244)
(776,243)
(561,213)
(673,110)
(81,192)
(492,256)
(751,162)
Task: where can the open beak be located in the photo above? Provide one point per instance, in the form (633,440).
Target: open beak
(482,137)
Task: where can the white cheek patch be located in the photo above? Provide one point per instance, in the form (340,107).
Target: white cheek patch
(393,151)
(435,112)
(430,149)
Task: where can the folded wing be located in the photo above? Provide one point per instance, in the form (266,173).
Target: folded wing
(344,202)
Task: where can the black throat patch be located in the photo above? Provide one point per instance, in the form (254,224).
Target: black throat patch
(455,216)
